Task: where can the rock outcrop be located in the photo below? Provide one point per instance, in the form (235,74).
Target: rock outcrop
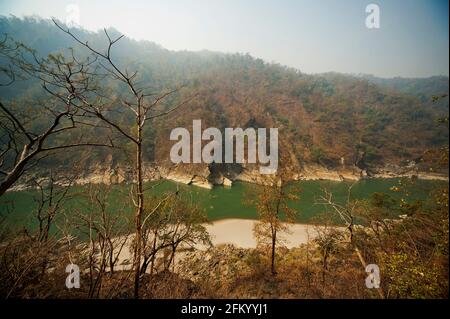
(207,176)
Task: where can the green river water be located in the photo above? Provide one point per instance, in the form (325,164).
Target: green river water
(219,203)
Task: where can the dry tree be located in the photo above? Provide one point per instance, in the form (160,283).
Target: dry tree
(141,103)
(346,213)
(63,79)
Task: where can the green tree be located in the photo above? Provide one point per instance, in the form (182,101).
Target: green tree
(272,203)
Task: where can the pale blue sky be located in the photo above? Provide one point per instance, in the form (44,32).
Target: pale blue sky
(311,35)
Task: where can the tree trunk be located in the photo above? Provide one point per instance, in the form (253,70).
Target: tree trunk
(324,267)
(15,174)
(274,239)
(361,258)
(139,210)
(152,265)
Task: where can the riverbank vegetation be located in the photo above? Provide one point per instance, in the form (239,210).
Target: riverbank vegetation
(156,245)
(411,252)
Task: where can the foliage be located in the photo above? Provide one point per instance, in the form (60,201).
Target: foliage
(335,111)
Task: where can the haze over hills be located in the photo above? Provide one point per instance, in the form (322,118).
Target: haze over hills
(356,205)
(330,120)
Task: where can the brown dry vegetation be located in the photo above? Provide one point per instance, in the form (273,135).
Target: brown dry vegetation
(412,254)
(321,119)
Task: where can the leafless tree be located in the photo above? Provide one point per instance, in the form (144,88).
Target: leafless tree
(327,239)
(22,143)
(107,235)
(50,200)
(172,222)
(142,104)
(346,213)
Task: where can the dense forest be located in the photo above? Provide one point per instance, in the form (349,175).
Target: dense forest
(327,119)
(72,99)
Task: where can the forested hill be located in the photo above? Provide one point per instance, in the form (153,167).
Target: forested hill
(423,88)
(321,118)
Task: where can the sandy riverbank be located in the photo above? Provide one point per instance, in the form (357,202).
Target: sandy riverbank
(237,232)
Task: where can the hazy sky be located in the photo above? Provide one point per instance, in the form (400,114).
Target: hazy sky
(311,35)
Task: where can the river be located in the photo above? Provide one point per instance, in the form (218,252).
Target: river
(220,202)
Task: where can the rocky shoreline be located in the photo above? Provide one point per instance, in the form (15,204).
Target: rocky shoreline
(203,178)
(309,172)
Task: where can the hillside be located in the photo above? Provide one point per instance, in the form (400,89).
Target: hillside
(330,121)
(92,204)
